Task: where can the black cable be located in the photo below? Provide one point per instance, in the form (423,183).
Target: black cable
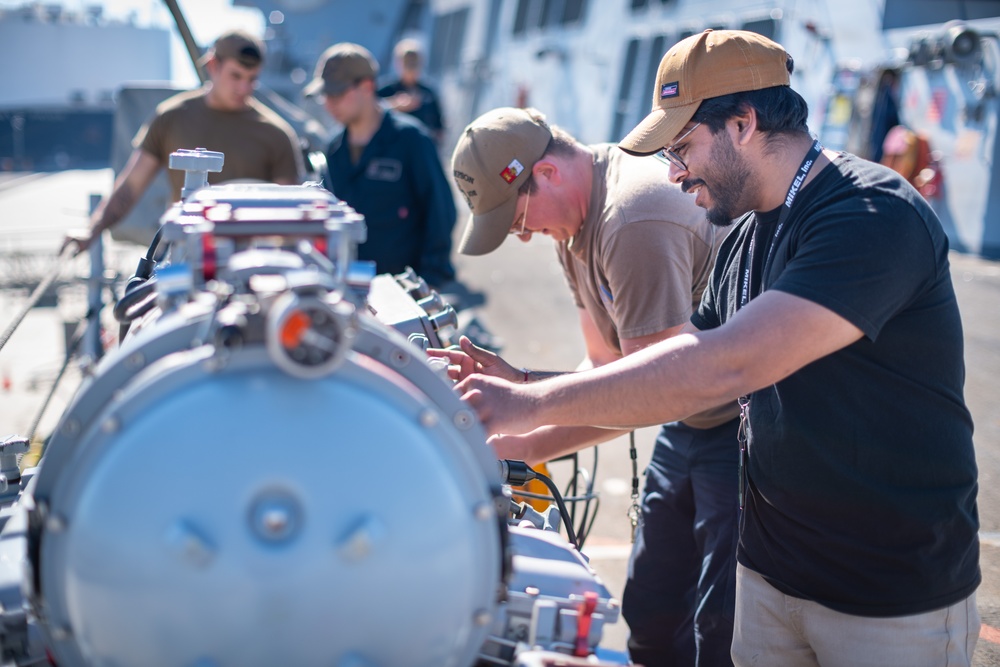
(144,269)
(585,530)
(140,280)
(519,473)
(583,527)
(570,533)
(634,455)
(573,484)
(136,294)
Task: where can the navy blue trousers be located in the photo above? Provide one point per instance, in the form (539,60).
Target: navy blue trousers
(680,597)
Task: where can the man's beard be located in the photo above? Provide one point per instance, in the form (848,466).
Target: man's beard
(728,176)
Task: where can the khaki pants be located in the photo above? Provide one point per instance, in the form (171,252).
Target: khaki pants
(776,629)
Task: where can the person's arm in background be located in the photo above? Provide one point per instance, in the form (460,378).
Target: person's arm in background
(394,96)
(131,184)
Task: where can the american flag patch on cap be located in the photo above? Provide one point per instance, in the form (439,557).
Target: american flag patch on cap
(668,90)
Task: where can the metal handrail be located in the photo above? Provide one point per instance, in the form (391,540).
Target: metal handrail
(37,294)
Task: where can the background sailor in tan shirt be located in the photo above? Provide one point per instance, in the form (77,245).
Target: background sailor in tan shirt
(220,116)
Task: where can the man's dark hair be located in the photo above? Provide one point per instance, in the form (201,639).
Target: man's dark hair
(250,57)
(780,110)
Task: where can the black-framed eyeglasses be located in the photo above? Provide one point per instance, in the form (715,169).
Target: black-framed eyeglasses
(670,156)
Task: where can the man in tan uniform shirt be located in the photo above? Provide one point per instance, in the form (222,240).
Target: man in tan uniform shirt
(220,116)
(637,254)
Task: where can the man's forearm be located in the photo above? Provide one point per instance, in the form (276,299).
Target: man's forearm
(772,337)
(117,206)
(551,442)
(659,384)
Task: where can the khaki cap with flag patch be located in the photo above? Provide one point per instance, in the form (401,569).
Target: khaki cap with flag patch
(710,64)
(492,160)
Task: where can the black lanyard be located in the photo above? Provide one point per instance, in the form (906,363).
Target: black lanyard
(793,190)
(743,436)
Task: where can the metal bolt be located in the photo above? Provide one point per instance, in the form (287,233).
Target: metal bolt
(275,516)
(56,523)
(428,419)
(464,419)
(358,542)
(135,361)
(484,511)
(111,425)
(71,428)
(189,544)
(399,358)
(61,633)
(275,520)
(482,617)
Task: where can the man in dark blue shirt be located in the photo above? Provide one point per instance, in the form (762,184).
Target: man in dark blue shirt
(411,95)
(385,166)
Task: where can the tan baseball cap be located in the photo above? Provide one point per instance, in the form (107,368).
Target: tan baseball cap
(710,64)
(340,67)
(237,45)
(492,159)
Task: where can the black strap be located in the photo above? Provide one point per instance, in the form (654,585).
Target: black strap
(745,295)
(634,509)
(786,208)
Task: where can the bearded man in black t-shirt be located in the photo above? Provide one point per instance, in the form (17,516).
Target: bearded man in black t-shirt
(831,317)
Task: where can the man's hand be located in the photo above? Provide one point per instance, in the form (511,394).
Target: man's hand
(79,238)
(503,407)
(516,447)
(471,359)
(404,102)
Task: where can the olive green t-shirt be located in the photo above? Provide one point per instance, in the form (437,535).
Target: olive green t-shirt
(257,143)
(644,254)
